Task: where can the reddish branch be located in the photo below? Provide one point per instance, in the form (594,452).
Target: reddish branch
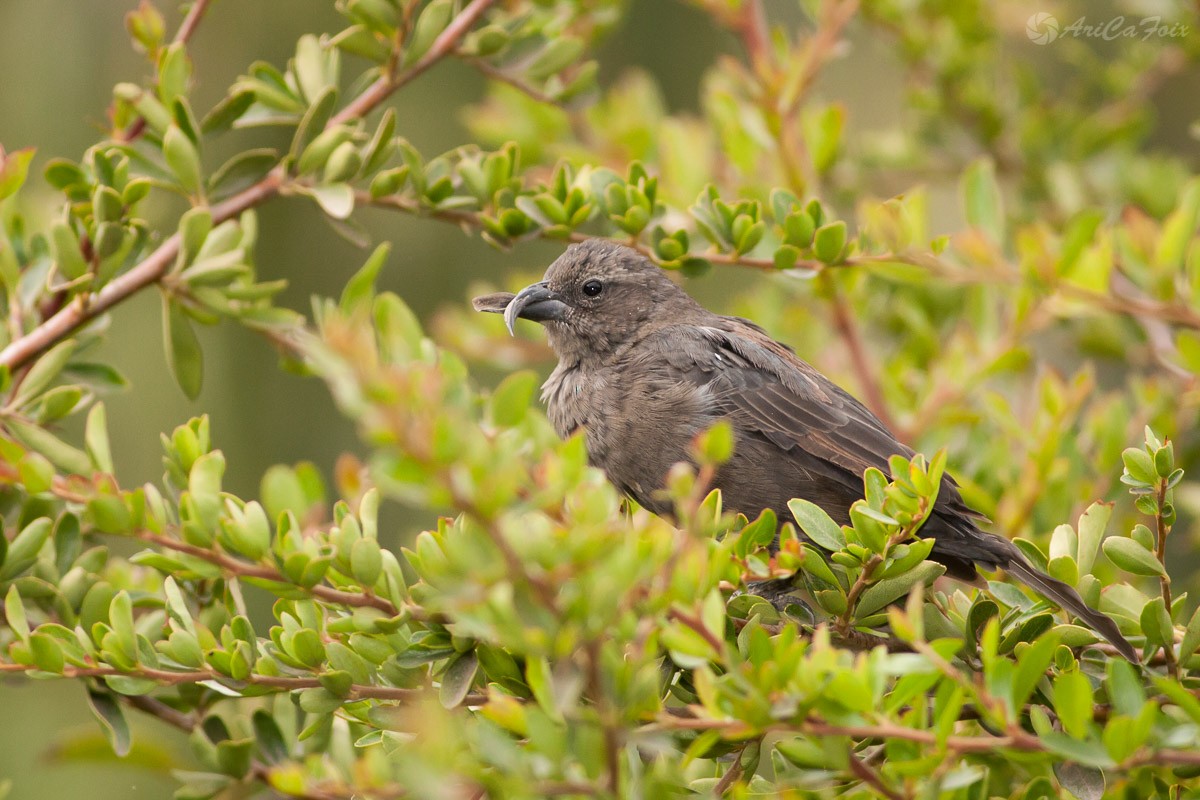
(241,569)
(165,677)
(864,370)
(192,20)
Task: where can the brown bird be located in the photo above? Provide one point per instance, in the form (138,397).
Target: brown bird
(643,368)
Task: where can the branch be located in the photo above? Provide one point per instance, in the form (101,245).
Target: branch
(1018,740)
(186,29)
(242,569)
(165,677)
(1162,530)
(445,43)
(835,16)
(260,770)
(192,20)
(85,308)
(697,625)
(731,775)
(494,73)
(870,777)
(471,219)
(864,370)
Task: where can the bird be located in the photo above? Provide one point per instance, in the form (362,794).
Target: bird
(643,368)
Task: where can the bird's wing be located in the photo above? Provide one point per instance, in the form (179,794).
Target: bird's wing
(767,389)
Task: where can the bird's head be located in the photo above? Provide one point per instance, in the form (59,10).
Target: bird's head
(597,296)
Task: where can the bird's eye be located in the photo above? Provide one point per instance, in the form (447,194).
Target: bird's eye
(593,288)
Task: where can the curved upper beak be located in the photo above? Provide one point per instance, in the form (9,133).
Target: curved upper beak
(537,303)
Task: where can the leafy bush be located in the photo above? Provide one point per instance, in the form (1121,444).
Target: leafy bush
(539,639)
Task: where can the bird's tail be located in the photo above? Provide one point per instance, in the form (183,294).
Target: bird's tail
(1069,599)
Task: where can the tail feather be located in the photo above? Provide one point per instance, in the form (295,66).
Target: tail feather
(1069,599)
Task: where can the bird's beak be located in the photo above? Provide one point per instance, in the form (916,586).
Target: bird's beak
(537,303)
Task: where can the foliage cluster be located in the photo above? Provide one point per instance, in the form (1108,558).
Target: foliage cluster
(540,640)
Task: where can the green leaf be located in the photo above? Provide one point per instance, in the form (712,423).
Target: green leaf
(227,112)
(174,72)
(366,561)
(120,617)
(14,613)
(1083,782)
(184,355)
(982,200)
(194,227)
(829,243)
(510,401)
(1156,624)
(314,67)
(360,289)
(234,756)
(62,455)
(890,589)
(335,199)
(109,514)
(554,57)
(1132,557)
(537,676)
(36,472)
(457,679)
(1092,523)
(381,146)
(217,271)
(270,738)
(432,21)
(1179,229)
(43,371)
(343,163)
(1032,665)
(182,158)
(107,205)
(47,653)
(1191,637)
(816,524)
(1179,695)
(67,254)
(1139,465)
(96,440)
(112,720)
(1124,687)
(243,169)
(1073,703)
(14,167)
(282,492)
(312,124)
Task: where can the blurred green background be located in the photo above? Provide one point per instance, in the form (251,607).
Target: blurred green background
(58,62)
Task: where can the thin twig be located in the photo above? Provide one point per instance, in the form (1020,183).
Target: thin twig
(260,770)
(242,569)
(697,625)
(1139,308)
(847,328)
(192,20)
(870,777)
(1164,579)
(608,719)
(494,73)
(445,44)
(731,775)
(165,677)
